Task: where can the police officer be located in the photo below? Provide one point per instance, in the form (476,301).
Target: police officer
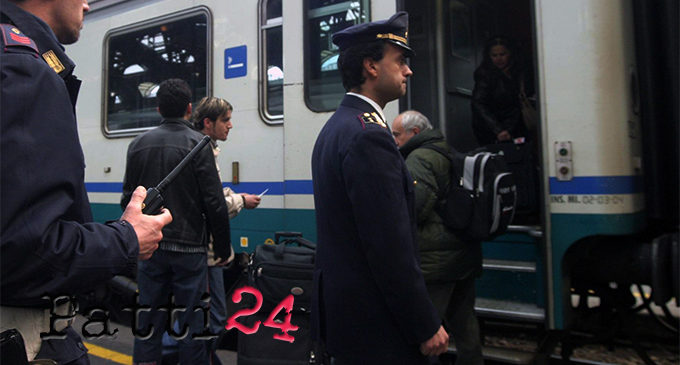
(49,247)
(370,305)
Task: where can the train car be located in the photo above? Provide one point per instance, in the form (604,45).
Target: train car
(605,75)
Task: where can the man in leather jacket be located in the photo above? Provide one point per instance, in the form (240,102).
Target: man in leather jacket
(179,268)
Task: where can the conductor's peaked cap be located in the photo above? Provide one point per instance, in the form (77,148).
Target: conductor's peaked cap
(393,30)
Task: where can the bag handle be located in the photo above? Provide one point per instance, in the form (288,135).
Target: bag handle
(293,237)
(279,234)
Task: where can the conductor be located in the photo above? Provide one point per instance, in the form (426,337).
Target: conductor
(370,304)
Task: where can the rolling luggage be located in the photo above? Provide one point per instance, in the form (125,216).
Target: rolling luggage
(280,329)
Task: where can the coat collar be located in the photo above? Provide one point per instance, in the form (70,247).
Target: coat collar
(181,121)
(372,103)
(355,102)
(425,137)
(49,47)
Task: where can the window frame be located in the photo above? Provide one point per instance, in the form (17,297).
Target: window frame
(263,25)
(183,14)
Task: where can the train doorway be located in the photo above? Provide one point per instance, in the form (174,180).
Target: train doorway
(448,37)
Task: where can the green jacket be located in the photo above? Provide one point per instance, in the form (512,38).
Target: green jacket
(443,257)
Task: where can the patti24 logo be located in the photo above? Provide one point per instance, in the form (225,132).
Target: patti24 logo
(285,325)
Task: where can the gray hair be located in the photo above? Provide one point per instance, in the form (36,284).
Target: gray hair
(411,119)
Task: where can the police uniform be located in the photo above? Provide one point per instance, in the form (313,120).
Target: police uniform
(370,304)
(47,245)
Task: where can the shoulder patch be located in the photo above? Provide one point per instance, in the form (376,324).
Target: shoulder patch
(13,37)
(371,118)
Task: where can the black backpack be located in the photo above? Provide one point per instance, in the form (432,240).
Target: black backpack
(480,201)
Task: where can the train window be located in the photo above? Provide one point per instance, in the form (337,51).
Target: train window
(461,31)
(271,60)
(323,83)
(141,56)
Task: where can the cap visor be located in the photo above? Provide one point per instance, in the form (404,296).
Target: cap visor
(408,52)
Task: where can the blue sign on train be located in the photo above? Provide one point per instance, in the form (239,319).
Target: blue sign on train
(235,62)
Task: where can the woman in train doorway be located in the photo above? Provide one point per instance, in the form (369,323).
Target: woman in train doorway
(496,108)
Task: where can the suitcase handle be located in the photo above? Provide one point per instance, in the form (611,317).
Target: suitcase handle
(303,242)
(279,234)
(293,237)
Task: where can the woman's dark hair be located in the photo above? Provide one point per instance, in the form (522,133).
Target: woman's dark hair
(174,95)
(498,41)
(351,62)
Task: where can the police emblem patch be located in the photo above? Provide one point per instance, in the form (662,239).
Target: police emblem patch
(53,61)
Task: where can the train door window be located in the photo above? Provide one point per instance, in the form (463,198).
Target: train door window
(271,61)
(139,57)
(323,83)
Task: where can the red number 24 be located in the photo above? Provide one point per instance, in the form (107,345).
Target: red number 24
(285,326)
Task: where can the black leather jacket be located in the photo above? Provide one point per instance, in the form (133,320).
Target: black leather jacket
(194,198)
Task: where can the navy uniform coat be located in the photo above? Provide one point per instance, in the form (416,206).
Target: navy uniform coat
(48,245)
(370,305)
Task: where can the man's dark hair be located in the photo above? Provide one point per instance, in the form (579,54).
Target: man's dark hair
(351,62)
(174,96)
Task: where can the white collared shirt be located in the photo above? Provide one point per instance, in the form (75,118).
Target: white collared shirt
(373,104)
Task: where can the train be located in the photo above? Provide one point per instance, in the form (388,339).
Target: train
(605,75)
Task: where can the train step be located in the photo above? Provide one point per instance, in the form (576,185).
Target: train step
(503,309)
(508,265)
(506,356)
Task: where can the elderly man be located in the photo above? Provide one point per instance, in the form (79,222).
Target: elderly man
(370,305)
(449,264)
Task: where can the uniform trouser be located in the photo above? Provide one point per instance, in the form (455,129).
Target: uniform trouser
(165,277)
(455,302)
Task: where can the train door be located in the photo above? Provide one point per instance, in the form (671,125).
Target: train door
(448,37)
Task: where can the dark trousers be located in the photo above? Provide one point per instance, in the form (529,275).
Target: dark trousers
(165,277)
(455,302)
(67,351)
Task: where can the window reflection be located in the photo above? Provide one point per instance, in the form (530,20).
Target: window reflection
(140,58)
(461,31)
(323,83)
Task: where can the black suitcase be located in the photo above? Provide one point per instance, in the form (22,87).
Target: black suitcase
(261,348)
(284,268)
(277,272)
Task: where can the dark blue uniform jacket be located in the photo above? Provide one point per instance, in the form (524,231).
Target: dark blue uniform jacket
(47,244)
(371,305)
